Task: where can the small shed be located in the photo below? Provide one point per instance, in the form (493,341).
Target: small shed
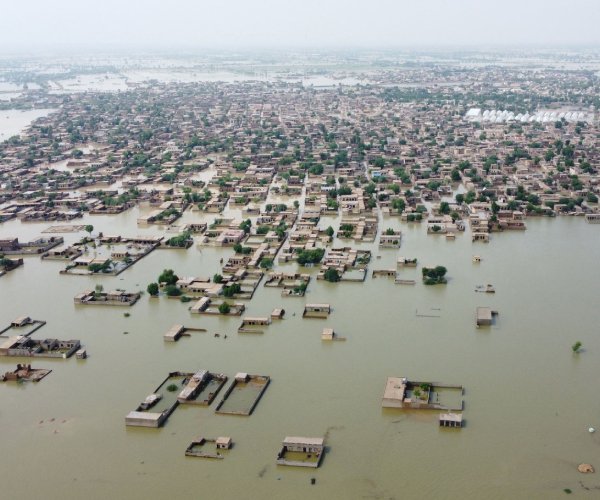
(223,443)
(21,321)
(451,420)
(484,316)
(327,334)
(277,313)
(174,333)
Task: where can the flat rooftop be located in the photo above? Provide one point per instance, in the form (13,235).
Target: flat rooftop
(395,388)
(484,313)
(312,441)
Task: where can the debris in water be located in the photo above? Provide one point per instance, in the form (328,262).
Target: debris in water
(585,468)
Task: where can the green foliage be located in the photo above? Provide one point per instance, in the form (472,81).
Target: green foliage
(172,387)
(89,228)
(101,268)
(470,197)
(217,278)
(316,169)
(231,290)
(379,162)
(332,275)
(168,276)
(576,346)
(399,204)
(173,291)
(180,241)
(152,289)
(329,232)
(299,290)
(224,308)
(238,248)
(434,275)
(246,225)
(310,256)
(266,263)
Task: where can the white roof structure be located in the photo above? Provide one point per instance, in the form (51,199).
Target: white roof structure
(503,116)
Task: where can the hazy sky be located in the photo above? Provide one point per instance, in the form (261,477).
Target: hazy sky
(285,23)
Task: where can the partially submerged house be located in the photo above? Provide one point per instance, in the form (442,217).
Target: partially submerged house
(301,451)
(399,392)
(316,311)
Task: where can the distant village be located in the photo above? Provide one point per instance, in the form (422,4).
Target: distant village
(356,150)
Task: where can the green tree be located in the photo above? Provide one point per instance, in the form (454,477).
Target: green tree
(310,256)
(152,289)
(173,291)
(168,277)
(231,290)
(332,275)
(266,263)
(399,204)
(246,225)
(470,197)
(576,346)
(224,308)
(89,228)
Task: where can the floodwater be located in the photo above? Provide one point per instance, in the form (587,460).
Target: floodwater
(529,401)
(188,76)
(14,121)
(89,83)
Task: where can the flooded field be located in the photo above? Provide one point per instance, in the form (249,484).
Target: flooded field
(13,121)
